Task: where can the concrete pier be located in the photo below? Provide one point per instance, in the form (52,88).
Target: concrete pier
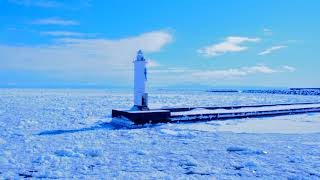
(194,114)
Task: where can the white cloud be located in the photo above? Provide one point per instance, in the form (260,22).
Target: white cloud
(185,75)
(152,63)
(287,68)
(224,73)
(270,50)
(102,58)
(86,3)
(241,72)
(65,33)
(267,32)
(66,4)
(234,73)
(169,70)
(38,3)
(54,21)
(231,44)
(12,29)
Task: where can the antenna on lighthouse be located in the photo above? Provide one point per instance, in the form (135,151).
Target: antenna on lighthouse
(140,80)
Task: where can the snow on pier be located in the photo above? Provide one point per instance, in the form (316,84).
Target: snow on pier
(214,113)
(248,109)
(201,114)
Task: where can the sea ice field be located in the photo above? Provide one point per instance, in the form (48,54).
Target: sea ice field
(67,134)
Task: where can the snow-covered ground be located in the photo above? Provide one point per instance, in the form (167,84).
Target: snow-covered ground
(66,134)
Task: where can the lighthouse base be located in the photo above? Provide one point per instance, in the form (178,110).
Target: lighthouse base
(143,117)
(139,108)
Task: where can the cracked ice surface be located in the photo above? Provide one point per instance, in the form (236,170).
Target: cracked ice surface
(66,134)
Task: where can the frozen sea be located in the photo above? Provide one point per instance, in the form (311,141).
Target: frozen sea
(66,134)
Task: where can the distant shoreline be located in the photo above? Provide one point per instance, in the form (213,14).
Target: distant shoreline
(290,91)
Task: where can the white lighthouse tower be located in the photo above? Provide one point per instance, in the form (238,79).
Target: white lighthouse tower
(140,79)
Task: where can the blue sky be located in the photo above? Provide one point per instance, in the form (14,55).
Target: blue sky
(207,43)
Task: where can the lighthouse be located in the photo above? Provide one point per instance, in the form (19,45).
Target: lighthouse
(140,80)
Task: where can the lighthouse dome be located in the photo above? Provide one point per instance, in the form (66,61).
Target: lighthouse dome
(140,56)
